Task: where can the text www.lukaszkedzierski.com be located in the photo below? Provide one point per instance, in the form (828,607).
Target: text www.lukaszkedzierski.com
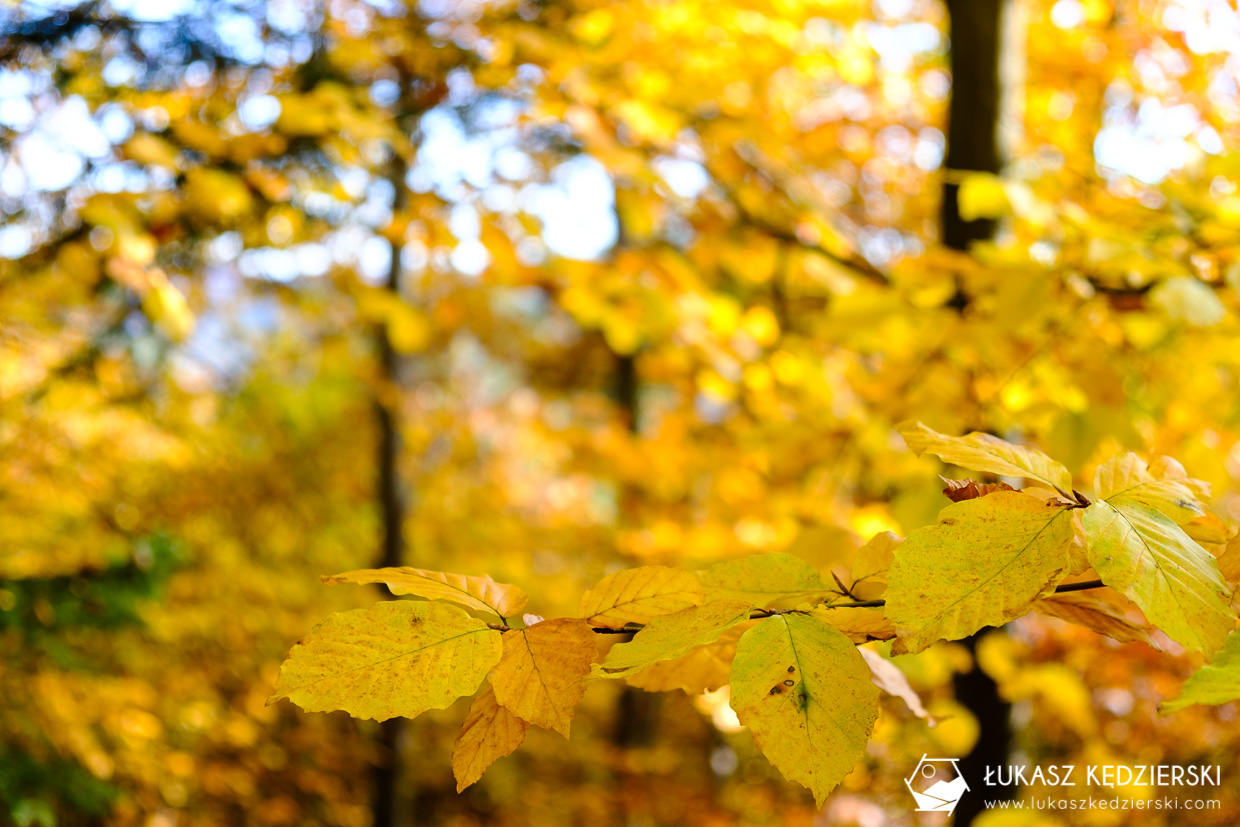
(1106,804)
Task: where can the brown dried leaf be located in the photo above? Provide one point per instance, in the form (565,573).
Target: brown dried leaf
(968,489)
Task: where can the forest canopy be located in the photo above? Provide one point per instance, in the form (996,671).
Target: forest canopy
(631,412)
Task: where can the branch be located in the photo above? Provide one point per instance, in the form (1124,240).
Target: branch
(758,614)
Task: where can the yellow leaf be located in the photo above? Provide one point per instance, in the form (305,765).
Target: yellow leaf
(1145,556)
(983,452)
(672,636)
(860,625)
(1097,615)
(395,658)
(540,677)
(1229,560)
(982,564)
(165,306)
(874,559)
(1208,529)
(637,595)
(982,195)
(490,732)
(887,676)
(477,593)
(806,695)
(704,669)
(1126,478)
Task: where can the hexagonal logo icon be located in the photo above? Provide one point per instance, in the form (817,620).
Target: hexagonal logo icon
(937,784)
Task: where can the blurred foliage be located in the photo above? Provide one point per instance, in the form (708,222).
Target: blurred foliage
(668,276)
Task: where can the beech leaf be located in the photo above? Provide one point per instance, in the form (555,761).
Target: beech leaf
(982,564)
(1097,615)
(672,636)
(477,593)
(490,732)
(806,695)
(860,625)
(539,678)
(398,657)
(983,452)
(637,595)
(967,489)
(1218,682)
(1146,557)
(704,669)
(1163,485)
(889,678)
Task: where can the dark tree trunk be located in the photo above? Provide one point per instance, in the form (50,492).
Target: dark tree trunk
(973,145)
(389,806)
(636,710)
(973,114)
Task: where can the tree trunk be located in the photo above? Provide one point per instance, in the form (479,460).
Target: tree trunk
(973,145)
(973,113)
(636,710)
(390,806)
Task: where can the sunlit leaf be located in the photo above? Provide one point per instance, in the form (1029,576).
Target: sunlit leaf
(1145,556)
(982,564)
(479,593)
(398,657)
(807,697)
(983,452)
(1218,682)
(636,595)
(1163,486)
(1097,615)
(672,636)
(489,733)
(540,677)
(888,677)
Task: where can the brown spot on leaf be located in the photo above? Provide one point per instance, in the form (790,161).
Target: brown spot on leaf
(792,669)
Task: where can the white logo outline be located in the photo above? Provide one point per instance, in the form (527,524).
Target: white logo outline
(947,794)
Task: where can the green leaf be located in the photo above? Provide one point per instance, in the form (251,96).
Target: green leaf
(982,564)
(1218,682)
(637,595)
(1162,485)
(761,579)
(806,695)
(671,636)
(1145,556)
(478,593)
(983,452)
(395,658)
